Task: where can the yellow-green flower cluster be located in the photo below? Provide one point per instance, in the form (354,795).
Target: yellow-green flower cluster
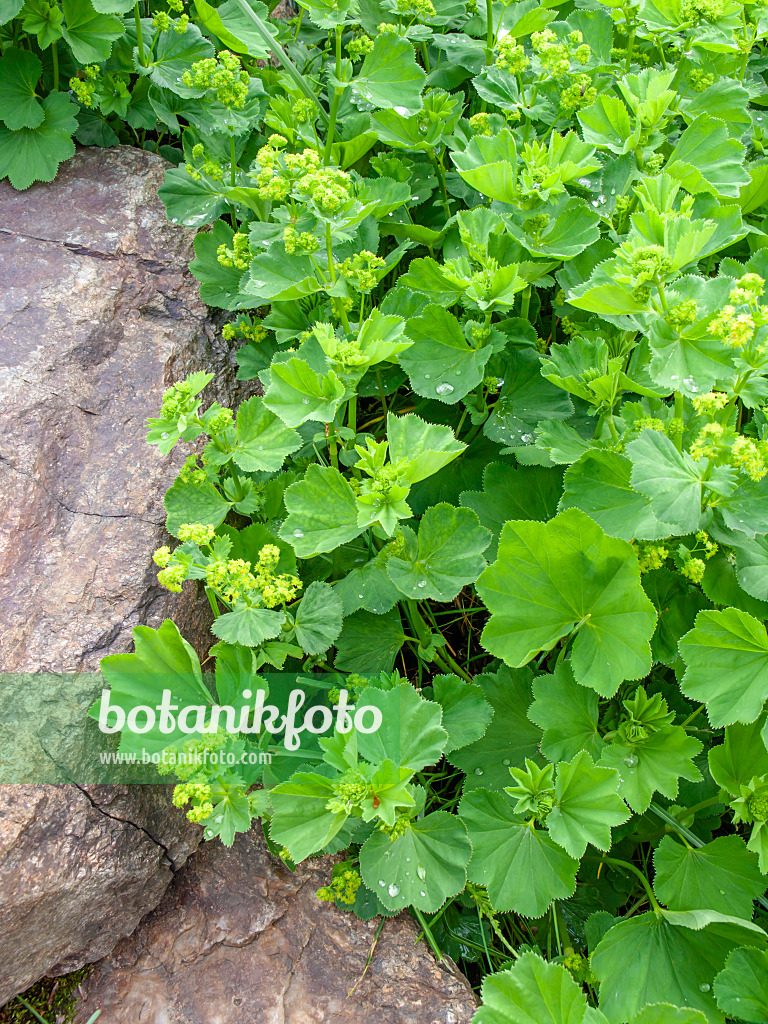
(710,403)
(387,27)
(172,577)
(360,269)
(580,93)
(709,443)
(359,46)
(480,124)
(304,243)
(651,556)
(750,457)
(190,472)
(693,569)
(219,421)
(162,556)
(232,578)
(349,356)
(349,790)
(243,327)
(748,289)
(190,760)
(423,9)
(277,170)
(238,255)
(199,793)
(275,589)
(396,831)
(304,110)
(328,187)
(683,314)
(84,88)
(648,423)
(735,330)
(510,56)
(203,165)
(223,76)
(197,533)
(699,80)
(702,10)
(344,885)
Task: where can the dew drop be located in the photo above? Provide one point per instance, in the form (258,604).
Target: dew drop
(298,533)
(359,597)
(427,376)
(382,883)
(704,987)
(421,583)
(478,771)
(526,438)
(444,389)
(305,401)
(165,436)
(422,893)
(631,760)
(421,872)
(506,761)
(394,890)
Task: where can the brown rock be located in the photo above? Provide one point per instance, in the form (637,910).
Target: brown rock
(98,314)
(79,868)
(239,939)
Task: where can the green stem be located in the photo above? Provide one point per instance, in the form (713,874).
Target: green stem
(489,32)
(525,303)
(352,414)
(678,413)
(298,24)
(139,35)
(232,174)
(334,102)
(55,56)
(428,934)
(212,602)
(630,47)
(333,447)
(636,871)
(382,394)
(32,1010)
(282,57)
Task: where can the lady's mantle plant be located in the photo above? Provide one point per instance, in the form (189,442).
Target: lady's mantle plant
(499,275)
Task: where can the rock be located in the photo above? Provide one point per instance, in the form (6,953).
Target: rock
(79,868)
(98,314)
(239,939)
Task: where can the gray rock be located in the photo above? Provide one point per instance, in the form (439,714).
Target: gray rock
(239,939)
(98,315)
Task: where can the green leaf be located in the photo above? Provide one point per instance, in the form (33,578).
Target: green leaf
(522,492)
(665,1013)
(568,714)
(741,757)
(553,578)
(276,277)
(466,712)
(263,441)
(525,400)
(322,512)
(423,867)
(194,503)
(89,33)
(174,54)
(741,988)
(190,202)
(162,659)
(446,556)
(9,9)
(677,604)
(441,363)
(219,286)
(587,805)
(706,160)
(606,124)
(428,447)
(667,956)
(533,992)
(318,618)
(726,657)
(654,763)
(19,75)
(248,626)
(301,821)
(722,875)
(34,154)
(489,164)
(510,737)
(671,479)
(390,76)
(410,734)
(570,227)
(369,587)
(297,393)
(369,643)
(231,25)
(523,869)
(599,484)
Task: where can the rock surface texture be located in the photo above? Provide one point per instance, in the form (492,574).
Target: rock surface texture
(239,939)
(98,314)
(79,868)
